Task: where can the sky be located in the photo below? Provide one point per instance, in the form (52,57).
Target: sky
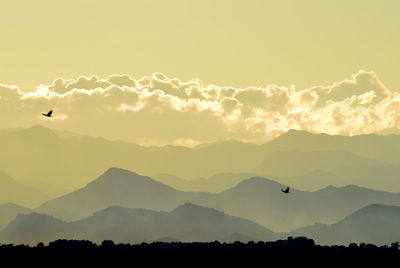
(234,43)
(242,47)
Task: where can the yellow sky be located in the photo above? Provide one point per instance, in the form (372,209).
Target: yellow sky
(224,42)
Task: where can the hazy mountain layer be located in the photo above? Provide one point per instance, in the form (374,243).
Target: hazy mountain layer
(294,163)
(9,211)
(118,187)
(376,224)
(312,181)
(214,184)
(257,199)
(65,161)
(188,222)
(16,192)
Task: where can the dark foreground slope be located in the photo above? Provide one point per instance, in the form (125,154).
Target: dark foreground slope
(287,253)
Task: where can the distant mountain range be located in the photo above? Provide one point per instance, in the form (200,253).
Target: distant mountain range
(127,207)
(294,163)
(187,222)
(16,192)
(376,224)
(257,199)
(214,184)
(65,161)
(118,187)
(312,181)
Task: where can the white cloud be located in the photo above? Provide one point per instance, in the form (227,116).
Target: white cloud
(167,110)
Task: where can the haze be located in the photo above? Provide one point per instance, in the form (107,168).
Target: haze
(183,120)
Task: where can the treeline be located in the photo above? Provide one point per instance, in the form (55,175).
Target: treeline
(290,251)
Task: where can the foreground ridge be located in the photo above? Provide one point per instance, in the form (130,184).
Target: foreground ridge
(291,250)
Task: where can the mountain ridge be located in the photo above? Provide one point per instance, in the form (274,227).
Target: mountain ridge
(257,199)
(187,222)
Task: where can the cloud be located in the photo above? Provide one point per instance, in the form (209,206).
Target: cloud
(166,110)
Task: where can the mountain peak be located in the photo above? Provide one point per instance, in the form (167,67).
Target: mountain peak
(38,129)
(119,171)
(38,132)
(297,132)
(28,219)
(190,209)
(119,211)
(293,136)
(258,182)
(115,174)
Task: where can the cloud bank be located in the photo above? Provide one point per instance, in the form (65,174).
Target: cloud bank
(157,109)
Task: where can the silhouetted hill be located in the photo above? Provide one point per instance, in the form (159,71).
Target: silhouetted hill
(297,252)
(239,237)
(9,211)
(15,192)
(117,187)
(376,224)
(186,223)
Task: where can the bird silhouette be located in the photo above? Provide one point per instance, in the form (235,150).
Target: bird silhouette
(286,191)
(49,114)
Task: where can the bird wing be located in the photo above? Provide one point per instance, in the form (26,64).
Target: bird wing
(50,113)
(287,189)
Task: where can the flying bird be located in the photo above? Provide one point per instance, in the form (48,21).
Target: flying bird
(286,191)
(49,114)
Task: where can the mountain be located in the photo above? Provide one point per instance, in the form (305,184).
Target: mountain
(15,192)
(64,161)
(187,222)
(376,224)
(214,184)
(117,187)
(60,162)
(261,201)
(9,211)
(257,199)
(314,180)
(32,228)
(381,148)
(382,177)
(294,163)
